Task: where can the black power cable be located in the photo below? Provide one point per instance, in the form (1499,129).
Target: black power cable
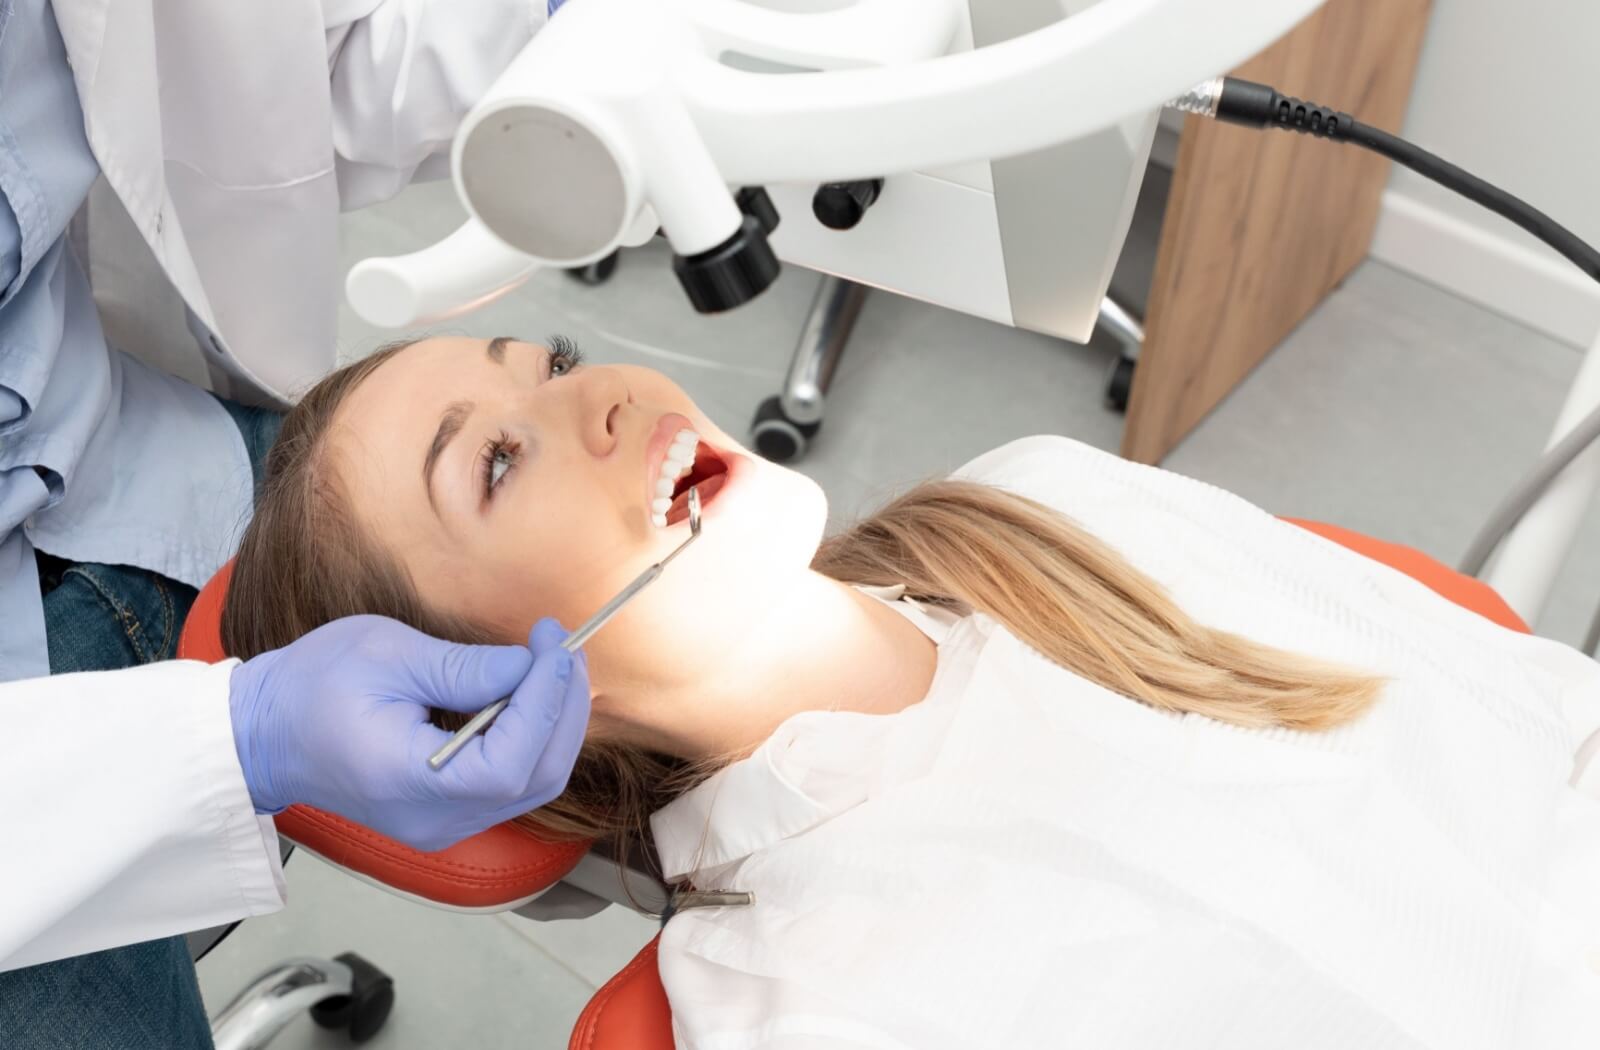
(1248,103)
(1259,106)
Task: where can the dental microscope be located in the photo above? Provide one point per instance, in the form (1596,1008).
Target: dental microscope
(983,155)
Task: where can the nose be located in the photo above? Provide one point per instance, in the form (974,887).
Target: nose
(602,399)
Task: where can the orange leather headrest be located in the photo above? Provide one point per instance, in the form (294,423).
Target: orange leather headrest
(500,867)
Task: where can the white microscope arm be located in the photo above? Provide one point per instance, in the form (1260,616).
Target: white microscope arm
(622,113)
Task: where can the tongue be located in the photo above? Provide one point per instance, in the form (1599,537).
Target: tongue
(679,511)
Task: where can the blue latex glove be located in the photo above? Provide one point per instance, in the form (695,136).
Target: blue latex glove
(339,720)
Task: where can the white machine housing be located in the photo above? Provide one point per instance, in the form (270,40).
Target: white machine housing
(1012,137)
(1027,240)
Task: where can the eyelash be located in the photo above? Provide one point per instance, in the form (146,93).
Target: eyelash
(563,349)
(502,445)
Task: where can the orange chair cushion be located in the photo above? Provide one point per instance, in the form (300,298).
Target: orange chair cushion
(631,1011)
(1465,591)
(499,867)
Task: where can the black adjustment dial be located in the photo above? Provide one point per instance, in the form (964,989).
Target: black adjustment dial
(753,200)
(842,205)
(732,273)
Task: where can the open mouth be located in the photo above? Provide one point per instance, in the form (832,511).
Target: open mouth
(686,462)
(708,473)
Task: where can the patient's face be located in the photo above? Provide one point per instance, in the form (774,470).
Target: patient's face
(513,484)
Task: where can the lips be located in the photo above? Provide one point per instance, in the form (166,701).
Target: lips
(676,461)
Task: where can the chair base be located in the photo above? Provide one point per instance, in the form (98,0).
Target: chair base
(785,423)
(347,992)
(1120,324)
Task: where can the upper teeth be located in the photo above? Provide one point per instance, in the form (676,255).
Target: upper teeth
(674,465)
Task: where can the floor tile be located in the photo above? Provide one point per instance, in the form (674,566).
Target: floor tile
(460,980)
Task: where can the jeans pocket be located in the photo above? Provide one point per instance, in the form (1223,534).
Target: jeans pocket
(105,617)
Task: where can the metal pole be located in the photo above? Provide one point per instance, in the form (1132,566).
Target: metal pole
(827,329)
(1123,326)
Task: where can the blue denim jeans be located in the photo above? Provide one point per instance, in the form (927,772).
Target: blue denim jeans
(142,996)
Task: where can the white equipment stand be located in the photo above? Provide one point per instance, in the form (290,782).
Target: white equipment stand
(1529,561)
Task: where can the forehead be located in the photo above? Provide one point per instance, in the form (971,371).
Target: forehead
(437,369)
(391,414)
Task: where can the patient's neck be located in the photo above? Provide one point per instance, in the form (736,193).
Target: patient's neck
(827,646)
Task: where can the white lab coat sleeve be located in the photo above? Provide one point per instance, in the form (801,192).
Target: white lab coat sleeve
(404,73)
(124,814)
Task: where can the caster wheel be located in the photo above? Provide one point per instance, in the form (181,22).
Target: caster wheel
(596,273)
(776,436)
(1120,384)
(363,1011)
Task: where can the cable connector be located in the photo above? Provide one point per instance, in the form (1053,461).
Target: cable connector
(1259,106)
(1201,100)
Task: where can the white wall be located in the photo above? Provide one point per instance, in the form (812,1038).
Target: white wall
(1510,91)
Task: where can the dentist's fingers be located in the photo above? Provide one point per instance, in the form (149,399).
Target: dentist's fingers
(549,777)
(531,746)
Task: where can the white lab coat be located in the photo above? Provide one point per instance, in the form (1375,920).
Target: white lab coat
(1024,859)
(212,245)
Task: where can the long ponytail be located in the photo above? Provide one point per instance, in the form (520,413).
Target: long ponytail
(1079,603)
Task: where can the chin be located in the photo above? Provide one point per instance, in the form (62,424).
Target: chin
(762,527)
(777,515)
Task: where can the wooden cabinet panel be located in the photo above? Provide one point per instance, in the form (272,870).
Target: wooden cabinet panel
(1261,226)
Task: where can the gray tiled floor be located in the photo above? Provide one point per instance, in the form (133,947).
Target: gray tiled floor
(1395,409)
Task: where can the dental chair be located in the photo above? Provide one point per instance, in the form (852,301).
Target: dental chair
(509,869)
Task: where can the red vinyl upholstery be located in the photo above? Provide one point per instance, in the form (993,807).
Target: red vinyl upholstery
(500,867)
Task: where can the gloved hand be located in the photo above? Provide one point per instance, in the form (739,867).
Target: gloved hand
(338,720)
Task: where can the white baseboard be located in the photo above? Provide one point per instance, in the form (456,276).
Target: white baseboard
(1486,267)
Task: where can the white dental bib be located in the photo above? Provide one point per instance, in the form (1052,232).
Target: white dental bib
(1024,859)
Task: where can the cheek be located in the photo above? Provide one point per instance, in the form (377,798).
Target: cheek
(557,550)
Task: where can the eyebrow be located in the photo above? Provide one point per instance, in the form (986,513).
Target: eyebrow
(450,424)
(497,348)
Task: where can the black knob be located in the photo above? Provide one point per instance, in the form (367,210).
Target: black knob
(842,205)
(753,200)
(732,273)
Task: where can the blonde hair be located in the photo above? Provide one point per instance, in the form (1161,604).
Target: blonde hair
(1079,603)
(304,562)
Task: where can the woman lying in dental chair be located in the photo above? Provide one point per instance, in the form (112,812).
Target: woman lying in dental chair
(1061,751)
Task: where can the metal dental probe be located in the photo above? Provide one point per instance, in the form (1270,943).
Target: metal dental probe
(575,640)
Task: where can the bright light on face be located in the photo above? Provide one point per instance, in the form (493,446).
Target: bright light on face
(512,481)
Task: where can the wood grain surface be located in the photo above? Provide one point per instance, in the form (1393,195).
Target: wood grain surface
(1262,225)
